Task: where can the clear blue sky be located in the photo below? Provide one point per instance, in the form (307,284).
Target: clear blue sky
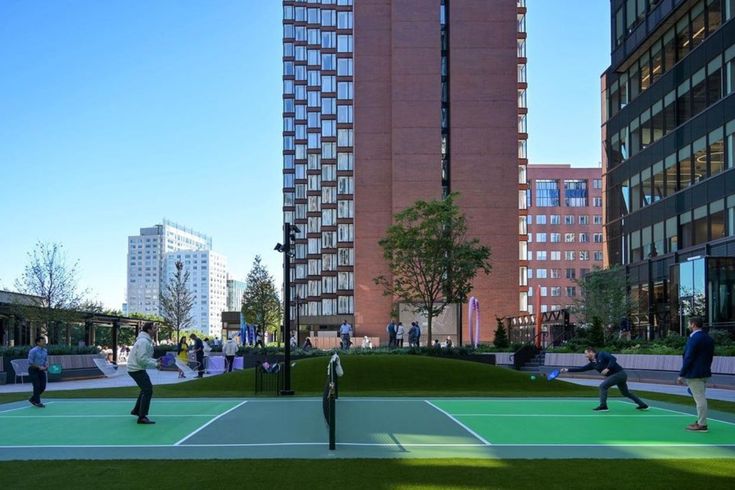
(116,114)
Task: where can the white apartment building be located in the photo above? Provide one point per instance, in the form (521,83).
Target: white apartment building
(207,281)
(147,274)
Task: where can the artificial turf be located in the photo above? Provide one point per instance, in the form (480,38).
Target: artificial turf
(373,474)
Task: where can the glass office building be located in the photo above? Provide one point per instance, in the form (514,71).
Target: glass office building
(669,159)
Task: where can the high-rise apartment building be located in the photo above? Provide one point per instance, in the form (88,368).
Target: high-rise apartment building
(207,282)
(669,159)
(235,290)
(149,270)
(388,102)
(564,232)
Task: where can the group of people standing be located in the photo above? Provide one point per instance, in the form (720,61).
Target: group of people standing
(397,332)
(200,348)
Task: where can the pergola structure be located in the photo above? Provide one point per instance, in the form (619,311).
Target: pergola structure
(19,323)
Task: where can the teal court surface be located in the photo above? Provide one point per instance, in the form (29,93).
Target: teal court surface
(366,428)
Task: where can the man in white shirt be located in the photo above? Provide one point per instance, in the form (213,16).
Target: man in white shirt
(230,351)
(345,332)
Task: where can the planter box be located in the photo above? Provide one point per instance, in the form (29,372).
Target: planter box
(651,362)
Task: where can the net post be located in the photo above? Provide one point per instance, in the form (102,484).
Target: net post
(332,431)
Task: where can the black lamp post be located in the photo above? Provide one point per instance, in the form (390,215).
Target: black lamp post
(285,249)
(298,318)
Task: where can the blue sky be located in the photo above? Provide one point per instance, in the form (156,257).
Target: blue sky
(116,114)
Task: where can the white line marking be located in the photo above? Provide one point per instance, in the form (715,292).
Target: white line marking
(366,444)
(478,436)
(25,407)
(552,415)
(155,415)
(211,421)
(684,413)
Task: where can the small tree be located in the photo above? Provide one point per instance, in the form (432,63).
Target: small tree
(49,277)
(604,296)
(431,261)
(260,301)
(597,333)
(177,301)
(501,336)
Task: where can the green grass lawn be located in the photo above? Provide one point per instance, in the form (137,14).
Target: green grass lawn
(373,474)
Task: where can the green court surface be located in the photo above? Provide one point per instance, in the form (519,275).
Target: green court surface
(366,428)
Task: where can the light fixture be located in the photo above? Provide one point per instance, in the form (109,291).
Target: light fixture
(278,248)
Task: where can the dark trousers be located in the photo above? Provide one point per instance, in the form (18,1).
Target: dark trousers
(620,379)
(38,378)
(346,341)
(146,392)
(229,362)
(200,362)
(399,342)
(391,340)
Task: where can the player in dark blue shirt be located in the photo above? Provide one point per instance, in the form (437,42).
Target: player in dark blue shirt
(606,364)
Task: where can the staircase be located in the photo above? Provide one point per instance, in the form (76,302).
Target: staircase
(536,364)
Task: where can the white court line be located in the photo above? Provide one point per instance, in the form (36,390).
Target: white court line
(24,407)
(606,415)
(13,417)
(361,444)
(211,421)
(478,436)
(683,413)
(153,400)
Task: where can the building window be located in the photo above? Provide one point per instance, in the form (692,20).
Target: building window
(541,273)
(597,202)
(547,193)
(584,220)
(571,291)
(540,255)
(575,193)
(571,273)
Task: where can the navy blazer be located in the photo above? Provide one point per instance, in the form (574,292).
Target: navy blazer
(698,355)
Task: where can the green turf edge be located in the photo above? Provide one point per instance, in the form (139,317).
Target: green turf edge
(373,474)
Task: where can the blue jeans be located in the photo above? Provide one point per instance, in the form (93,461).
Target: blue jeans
(620,379)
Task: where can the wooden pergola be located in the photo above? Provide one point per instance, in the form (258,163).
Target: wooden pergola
(17,326)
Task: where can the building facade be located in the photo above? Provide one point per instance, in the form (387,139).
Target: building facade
(235,290)
(669,159)
(149,268)
(564,232)
(386,103)
(208,283)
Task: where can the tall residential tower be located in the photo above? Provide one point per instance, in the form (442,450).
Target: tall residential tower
(387,102)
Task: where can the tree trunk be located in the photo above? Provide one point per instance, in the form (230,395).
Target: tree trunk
(429,340)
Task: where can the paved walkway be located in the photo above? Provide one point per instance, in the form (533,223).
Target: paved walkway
(712,393)
(157,377)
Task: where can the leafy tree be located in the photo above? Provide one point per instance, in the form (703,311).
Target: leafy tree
(604,297)
(597,333)
(432,263)
(501,336)
(177,301)
(54,281)
(261,303)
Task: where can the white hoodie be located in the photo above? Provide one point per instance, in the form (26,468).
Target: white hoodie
(141,355)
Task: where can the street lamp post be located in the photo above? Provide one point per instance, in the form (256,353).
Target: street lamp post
(285,249)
